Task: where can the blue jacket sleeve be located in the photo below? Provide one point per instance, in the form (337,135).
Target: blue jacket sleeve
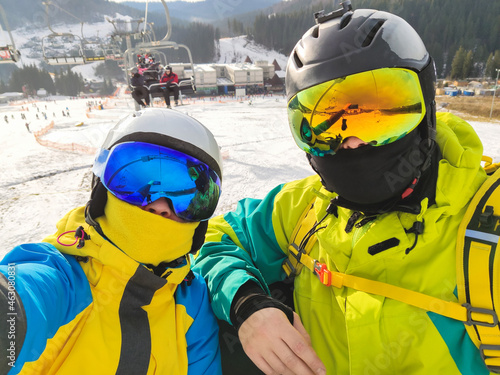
(42,290)
(203,335)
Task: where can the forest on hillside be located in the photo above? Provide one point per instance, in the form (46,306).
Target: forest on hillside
(198,36)
(444,25)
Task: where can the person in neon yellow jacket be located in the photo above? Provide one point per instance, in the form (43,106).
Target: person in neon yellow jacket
(392,183)
(111,292)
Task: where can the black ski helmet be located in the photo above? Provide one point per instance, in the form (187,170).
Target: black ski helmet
(347,41)
(161,127)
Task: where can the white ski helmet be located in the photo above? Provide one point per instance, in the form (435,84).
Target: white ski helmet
(162,127)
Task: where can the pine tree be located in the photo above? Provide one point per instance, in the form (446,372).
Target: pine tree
(496,64)
(468,65)
(457,65)
(489,69)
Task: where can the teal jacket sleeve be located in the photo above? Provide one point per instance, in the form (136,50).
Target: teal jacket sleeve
(203,335)
(241,246)
(40,290)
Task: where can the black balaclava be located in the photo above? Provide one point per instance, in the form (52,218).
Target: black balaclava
(374,179)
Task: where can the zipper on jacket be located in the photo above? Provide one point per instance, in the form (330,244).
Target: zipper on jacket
(365,221)
(352,220)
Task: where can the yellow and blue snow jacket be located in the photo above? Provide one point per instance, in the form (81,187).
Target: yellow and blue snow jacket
(95,310)
(355,332)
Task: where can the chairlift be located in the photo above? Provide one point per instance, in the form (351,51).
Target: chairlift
(93,51)
(125,27)
(8,51)
(112,50)
(161,50)
(55,49)
(80,51)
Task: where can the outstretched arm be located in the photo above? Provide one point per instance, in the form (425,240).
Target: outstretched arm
(40,290)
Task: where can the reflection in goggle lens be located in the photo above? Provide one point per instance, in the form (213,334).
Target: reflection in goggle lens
(140,173)
(378,106)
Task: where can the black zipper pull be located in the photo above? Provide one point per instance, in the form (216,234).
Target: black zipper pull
(352,220)
(365,221)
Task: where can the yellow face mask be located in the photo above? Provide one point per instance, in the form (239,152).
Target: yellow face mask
(143,236)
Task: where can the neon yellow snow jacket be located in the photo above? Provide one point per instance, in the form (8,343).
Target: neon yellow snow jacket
(354,332)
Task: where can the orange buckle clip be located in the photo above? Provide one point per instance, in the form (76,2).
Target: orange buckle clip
(324,275)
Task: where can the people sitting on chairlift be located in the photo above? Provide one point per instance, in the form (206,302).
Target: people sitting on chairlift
(140,92)
(171,81)
(149,59)
(140,61)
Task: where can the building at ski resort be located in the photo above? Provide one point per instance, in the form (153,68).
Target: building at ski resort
(243,78)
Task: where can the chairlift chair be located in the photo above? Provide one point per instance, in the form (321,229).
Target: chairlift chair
(93,51)
(112,50)
(8,54)
(8,51)
(125,27)
(161,48)
(160,51)
(52,55)
(82,52)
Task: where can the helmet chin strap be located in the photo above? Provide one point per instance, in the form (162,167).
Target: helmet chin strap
(95,206)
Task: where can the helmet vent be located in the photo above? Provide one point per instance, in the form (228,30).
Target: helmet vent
(346,18)
(315,32)
(371,35)
(297,60)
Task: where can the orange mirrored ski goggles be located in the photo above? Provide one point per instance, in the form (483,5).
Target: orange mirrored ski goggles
(378,106)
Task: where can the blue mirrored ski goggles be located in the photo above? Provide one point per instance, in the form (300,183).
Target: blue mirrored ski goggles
(140,173)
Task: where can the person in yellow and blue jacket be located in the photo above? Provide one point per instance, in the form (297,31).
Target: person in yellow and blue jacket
(111,292)
(392,183)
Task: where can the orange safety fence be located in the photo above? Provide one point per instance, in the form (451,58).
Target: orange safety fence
(72,147)
(43,131)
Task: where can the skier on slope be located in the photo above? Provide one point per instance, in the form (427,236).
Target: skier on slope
(111,291)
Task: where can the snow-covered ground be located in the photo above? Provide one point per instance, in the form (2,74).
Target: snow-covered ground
(40,184)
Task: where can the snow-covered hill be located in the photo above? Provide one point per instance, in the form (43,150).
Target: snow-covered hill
(237,49)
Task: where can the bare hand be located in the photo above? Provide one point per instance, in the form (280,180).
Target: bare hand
(277,347)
